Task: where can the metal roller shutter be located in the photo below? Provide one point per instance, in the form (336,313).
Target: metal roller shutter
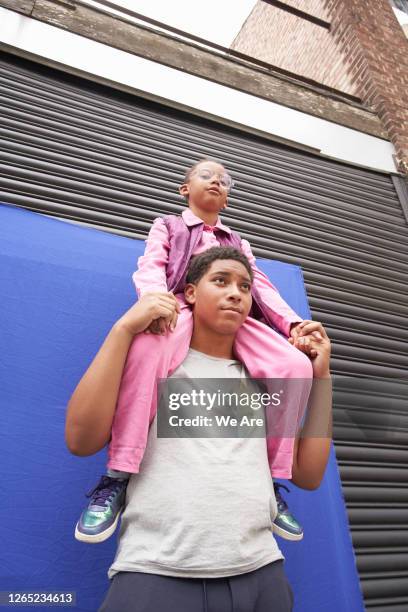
(89,154)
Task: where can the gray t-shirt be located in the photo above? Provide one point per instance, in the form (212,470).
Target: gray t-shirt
(199,507)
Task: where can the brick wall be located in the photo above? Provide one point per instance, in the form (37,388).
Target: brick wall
(290,42)
(369,34)
(365,53)
(313,7)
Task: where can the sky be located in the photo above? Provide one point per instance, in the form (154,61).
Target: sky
(218,21)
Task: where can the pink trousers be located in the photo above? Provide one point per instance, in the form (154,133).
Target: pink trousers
(265,353)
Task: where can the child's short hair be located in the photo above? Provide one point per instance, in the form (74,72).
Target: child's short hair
(200,264)
(189,172)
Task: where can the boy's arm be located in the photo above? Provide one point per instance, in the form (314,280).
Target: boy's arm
(92,405)
(312,448)
(280,312)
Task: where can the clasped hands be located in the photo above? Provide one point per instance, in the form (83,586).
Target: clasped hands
(303,335)
(157,312)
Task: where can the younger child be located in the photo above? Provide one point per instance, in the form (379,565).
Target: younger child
(158,352)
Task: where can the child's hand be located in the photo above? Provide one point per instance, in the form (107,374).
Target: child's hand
(157,327)
(160,326)
(307,333)
(311,338)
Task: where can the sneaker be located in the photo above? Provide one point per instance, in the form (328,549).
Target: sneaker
(100,519)
(285,525)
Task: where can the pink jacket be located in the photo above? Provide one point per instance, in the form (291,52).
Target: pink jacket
(151,272)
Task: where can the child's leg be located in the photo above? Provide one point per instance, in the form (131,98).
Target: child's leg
(150,358)
(267,355)
(118,474)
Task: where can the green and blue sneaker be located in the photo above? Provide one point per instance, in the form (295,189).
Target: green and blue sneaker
(285,525)
(100,519)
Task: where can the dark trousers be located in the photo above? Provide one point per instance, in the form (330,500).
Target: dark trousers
(263,590)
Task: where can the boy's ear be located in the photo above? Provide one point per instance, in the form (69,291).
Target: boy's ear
(190,293)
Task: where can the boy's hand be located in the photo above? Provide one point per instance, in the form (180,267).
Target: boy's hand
(298,330)
(162,324)
(148,309)
(310,337)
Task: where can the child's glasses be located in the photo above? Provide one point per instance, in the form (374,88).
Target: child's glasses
(225,179)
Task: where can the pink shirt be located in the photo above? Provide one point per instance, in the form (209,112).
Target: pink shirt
(151,272)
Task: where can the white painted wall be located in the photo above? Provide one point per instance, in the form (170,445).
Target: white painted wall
(217,21)
(401,16)
(176,88)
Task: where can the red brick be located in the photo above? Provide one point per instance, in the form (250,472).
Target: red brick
(364,53)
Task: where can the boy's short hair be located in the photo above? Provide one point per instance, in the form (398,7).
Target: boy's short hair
(201,263)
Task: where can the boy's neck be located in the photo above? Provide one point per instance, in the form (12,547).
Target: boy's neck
(209,218)
(212,344)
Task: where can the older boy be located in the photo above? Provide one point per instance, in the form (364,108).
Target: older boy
(196,531)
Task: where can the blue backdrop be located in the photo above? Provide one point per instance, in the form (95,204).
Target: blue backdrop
(62,287)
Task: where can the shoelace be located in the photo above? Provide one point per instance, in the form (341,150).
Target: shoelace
(282,505)
(103,490)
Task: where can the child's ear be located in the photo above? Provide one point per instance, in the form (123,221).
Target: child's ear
(190,293)
(184,190)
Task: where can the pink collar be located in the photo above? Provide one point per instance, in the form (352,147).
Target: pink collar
(191,219)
